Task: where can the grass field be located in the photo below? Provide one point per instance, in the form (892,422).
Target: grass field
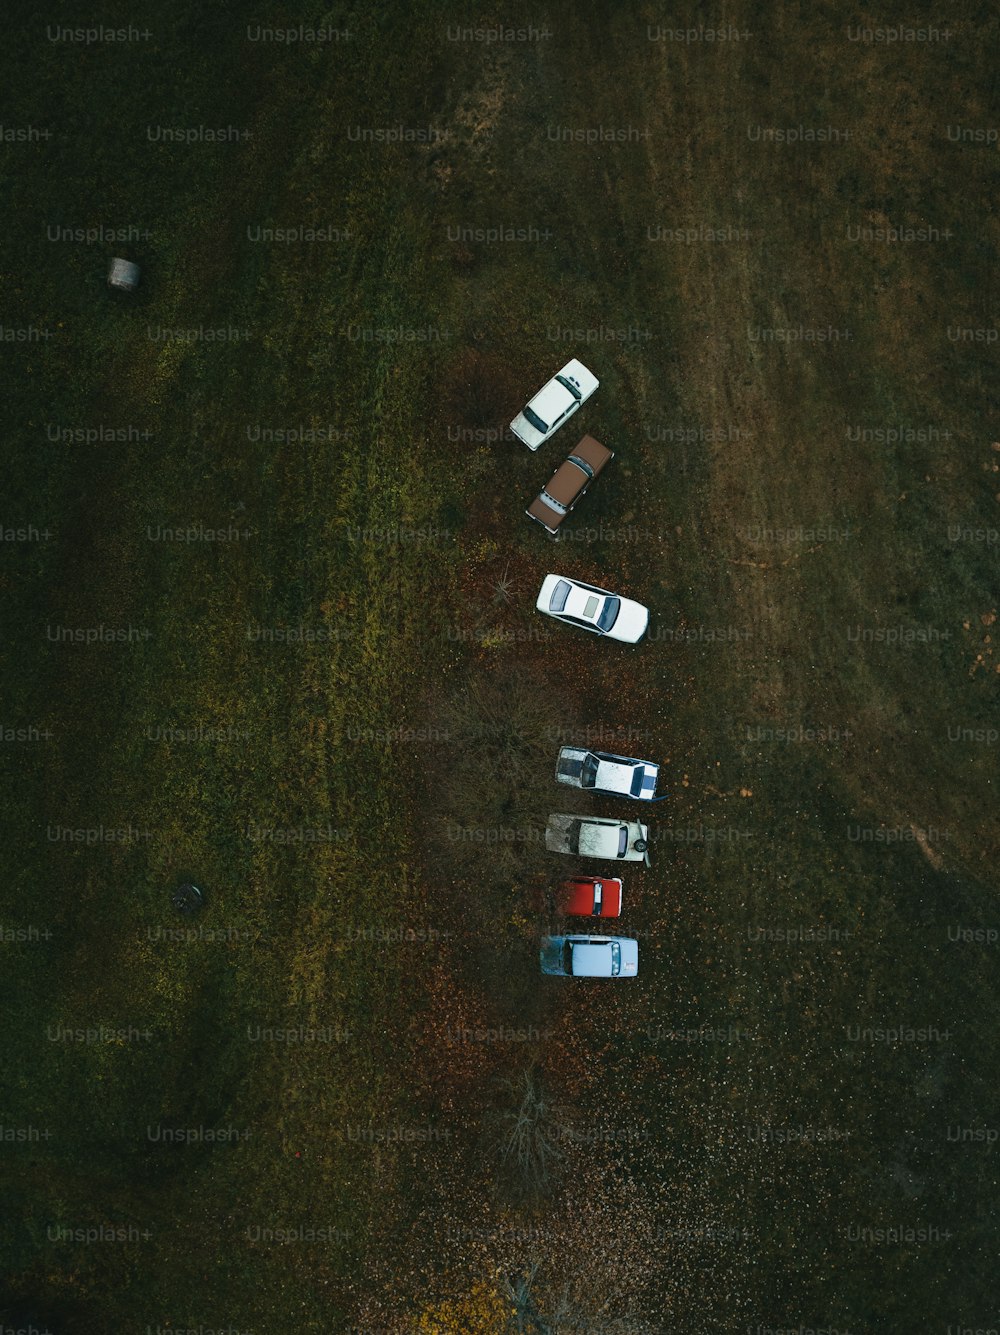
(268,593)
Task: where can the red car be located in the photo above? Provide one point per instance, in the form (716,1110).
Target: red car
(592,896)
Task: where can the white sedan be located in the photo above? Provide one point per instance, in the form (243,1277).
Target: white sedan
(554,405)
(598,772)
(593,609)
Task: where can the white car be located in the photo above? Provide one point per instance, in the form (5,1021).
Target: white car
(590,956)
(618,776)
(597,837)
(554,405)
(592,609)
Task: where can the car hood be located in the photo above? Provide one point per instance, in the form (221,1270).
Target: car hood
(587,381)
(525,432)
(630,957)
(579,753)
(544,599)
(592,961)
(569,764)
(631,621)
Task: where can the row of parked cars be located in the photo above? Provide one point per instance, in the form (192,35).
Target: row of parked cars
(571,600)
(602,613)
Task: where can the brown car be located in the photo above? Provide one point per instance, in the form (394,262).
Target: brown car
(568,483)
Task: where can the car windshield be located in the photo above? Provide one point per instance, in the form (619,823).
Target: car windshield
(535,420)
(622,840)
(559,595)
(567,959)
(637,778)
(607,618)
(616,958)
(568,384)
(573,835)
(588,774)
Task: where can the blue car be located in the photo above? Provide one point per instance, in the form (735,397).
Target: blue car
(590,956)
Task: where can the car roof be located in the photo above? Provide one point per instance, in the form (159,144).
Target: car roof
(549,402)
(566,482)
(577,601)
(616,773)
(602,839)
(575,369)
